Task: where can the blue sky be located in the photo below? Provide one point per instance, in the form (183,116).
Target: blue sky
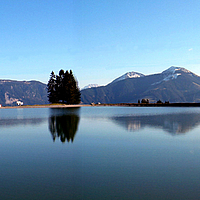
(99,40)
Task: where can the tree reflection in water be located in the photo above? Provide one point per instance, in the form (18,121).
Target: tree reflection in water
(63,123)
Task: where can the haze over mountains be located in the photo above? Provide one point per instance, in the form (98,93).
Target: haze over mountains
(176,84)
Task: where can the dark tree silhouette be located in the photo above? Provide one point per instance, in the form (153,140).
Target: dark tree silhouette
(51,88)
(145,101)
(65,88)
(159,101)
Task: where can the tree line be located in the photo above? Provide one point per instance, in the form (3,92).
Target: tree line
(63,88)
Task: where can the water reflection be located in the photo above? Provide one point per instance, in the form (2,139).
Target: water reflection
(19,122)
(63,123)
(171,123)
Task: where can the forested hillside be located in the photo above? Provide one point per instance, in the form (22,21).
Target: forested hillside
(29,92)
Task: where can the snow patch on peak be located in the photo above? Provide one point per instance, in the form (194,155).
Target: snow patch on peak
(167,78)
(170,77)
(171,74)
(90,86)
(128,75)
(173,70)
(133,75)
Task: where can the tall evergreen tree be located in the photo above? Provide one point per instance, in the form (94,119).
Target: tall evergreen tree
(66,88)
(59,85)
(51,89)
(74,93)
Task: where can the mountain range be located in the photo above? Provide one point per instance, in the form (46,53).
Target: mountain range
(28,92)
(176,84)
(90,86)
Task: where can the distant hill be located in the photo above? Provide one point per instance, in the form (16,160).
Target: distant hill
(125,76)
(175,84)
(29,92)
(128,75)
(90,86)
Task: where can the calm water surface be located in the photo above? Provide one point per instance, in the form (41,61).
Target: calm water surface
(100,153)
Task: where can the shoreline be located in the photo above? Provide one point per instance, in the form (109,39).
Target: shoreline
(152,104)
(102,105)
(44,106)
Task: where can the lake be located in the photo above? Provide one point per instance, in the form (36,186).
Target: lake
(100,153)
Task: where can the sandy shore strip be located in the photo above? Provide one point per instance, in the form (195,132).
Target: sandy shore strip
(45,106)
(98,105)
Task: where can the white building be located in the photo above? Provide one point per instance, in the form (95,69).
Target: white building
(20,103)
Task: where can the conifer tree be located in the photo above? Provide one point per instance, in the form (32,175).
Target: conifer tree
(59,85)
(65,87)
(51,88)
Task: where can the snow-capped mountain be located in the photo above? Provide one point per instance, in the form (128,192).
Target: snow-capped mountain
(176,84)
(123,77)
(128,75)
(90,86)
(173,73)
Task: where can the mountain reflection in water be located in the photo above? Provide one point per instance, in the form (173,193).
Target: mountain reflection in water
(19,122)
(63,123)
(171,123)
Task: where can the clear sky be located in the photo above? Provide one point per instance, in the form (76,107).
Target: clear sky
(99,40)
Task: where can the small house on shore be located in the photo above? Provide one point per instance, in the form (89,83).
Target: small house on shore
(20,103)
